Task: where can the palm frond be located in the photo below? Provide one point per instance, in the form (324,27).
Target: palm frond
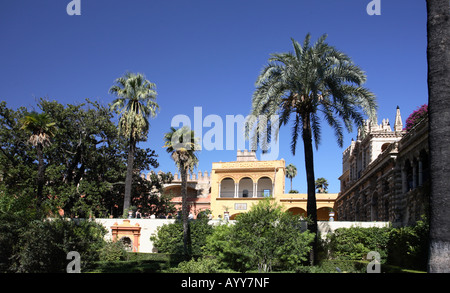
(313,79)
(135,103)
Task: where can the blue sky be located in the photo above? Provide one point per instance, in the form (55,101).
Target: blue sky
(207,53)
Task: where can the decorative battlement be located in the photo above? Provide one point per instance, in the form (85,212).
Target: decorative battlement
(246,156)
(199,177)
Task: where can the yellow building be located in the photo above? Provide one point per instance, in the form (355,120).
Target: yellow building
(236,186)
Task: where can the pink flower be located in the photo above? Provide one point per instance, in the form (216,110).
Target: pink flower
(416,117)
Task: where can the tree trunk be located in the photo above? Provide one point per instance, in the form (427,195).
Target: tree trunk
(185,212)
(438,55)
(311,206)
(129,176)
(40,177)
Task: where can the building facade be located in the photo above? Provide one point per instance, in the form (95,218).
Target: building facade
(233,187)
(385,174)
(198,192)
(236,186)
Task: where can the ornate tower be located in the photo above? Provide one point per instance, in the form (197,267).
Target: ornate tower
(398,126)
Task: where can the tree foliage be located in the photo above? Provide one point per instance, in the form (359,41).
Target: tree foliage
(135,103)
(85,165)
(322,184)
(264,238)
(182,145)
(315,82)
(169,237)
(291,172)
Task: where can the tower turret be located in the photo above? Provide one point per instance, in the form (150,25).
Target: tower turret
(398,126)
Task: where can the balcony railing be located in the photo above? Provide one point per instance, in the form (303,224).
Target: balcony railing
(231,194)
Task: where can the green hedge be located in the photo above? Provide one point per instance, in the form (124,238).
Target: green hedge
(408,246)
(356,242)
(42,246)
(404,247)
(169,237)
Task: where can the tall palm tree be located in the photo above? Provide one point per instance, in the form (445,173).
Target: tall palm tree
(291,172)
(438,55)
(313,79)
(182,145)
(321,184)
(41,129)
(135,103)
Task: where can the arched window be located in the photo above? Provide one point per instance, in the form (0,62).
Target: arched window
(384,146)
(409,175)
(227,188)
(264,187)
(245,187)
(374,207)
(297,211)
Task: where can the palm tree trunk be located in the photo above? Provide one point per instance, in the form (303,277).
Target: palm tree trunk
(311,206)
(185,212)
(129,176)
(438,55)
(40,177)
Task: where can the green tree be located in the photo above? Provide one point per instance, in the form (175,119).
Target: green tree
(43,245)
(438,57)
(18,173)
(169,238)
(42,129)
(86,158)
(182,145)
(135,103)
(321,184)
(150,197)
(265,237)
(85,164)
(315,79)
(291,172)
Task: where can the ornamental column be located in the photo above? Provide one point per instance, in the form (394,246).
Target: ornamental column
(420,173)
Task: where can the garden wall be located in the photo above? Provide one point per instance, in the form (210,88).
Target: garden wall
(149,227)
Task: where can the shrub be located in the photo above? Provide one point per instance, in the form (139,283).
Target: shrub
(169,238)
(356,242)
(113,251)
(44,244)
(408,246)
(201,265)
(264,238)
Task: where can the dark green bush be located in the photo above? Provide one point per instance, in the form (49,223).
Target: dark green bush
(356,242)
(113,251)
(405,247)
(408,246)
(265,238)
(44,244)
(169,238)
(200,265)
